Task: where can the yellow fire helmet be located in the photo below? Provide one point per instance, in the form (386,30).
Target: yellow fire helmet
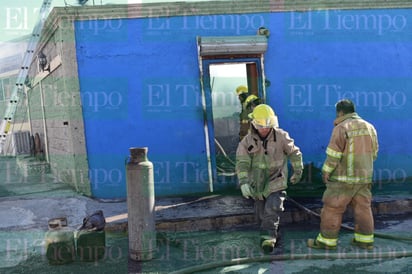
(263,116)
(241,89)
(250,99)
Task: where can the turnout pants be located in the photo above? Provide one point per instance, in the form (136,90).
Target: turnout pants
(267,213)
(336,198)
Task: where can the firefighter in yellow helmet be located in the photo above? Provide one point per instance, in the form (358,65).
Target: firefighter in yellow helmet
(347,173)
(262,170)
(242,93)
(251,102)
(242,90)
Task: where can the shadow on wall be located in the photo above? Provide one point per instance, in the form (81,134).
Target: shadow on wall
(311,185)
(37,147)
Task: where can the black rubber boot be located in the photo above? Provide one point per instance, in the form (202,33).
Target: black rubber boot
(268,244)
(269,241)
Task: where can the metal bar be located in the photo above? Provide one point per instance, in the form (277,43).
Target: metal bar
(205,127)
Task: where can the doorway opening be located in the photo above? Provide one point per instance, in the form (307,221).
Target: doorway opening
(225,64)
(226,108)
(224,111)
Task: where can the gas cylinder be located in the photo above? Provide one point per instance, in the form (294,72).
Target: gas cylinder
(141,205)
(91,245)
(59,242)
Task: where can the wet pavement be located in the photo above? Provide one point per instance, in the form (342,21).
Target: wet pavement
(207,234)
(231,251)
(236,251)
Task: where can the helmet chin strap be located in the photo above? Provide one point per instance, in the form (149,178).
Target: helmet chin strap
(276,123)
(266,135)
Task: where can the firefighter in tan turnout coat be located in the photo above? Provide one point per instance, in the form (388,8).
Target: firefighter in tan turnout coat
(347,173)
(261,166)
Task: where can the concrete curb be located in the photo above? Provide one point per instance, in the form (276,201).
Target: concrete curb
(207,214)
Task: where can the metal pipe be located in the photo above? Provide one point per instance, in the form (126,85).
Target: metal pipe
(29,114)
(205,127)
(262,67)
(43,111)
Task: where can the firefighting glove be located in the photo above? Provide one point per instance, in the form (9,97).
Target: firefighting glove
(246,191)
(296,177)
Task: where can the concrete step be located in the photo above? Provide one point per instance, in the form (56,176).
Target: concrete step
(218,212)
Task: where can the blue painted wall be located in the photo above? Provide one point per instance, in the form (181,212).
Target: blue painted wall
(139,81)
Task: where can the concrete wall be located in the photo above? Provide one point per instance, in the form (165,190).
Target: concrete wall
(55,108)
(139,82)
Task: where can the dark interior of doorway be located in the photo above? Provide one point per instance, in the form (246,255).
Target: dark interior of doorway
(226,108)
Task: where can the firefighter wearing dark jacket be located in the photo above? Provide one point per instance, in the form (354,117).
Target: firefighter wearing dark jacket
(347,173)
(262,170)
(242,93)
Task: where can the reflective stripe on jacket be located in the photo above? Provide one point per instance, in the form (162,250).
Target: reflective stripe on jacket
(263,163)
(351,151)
